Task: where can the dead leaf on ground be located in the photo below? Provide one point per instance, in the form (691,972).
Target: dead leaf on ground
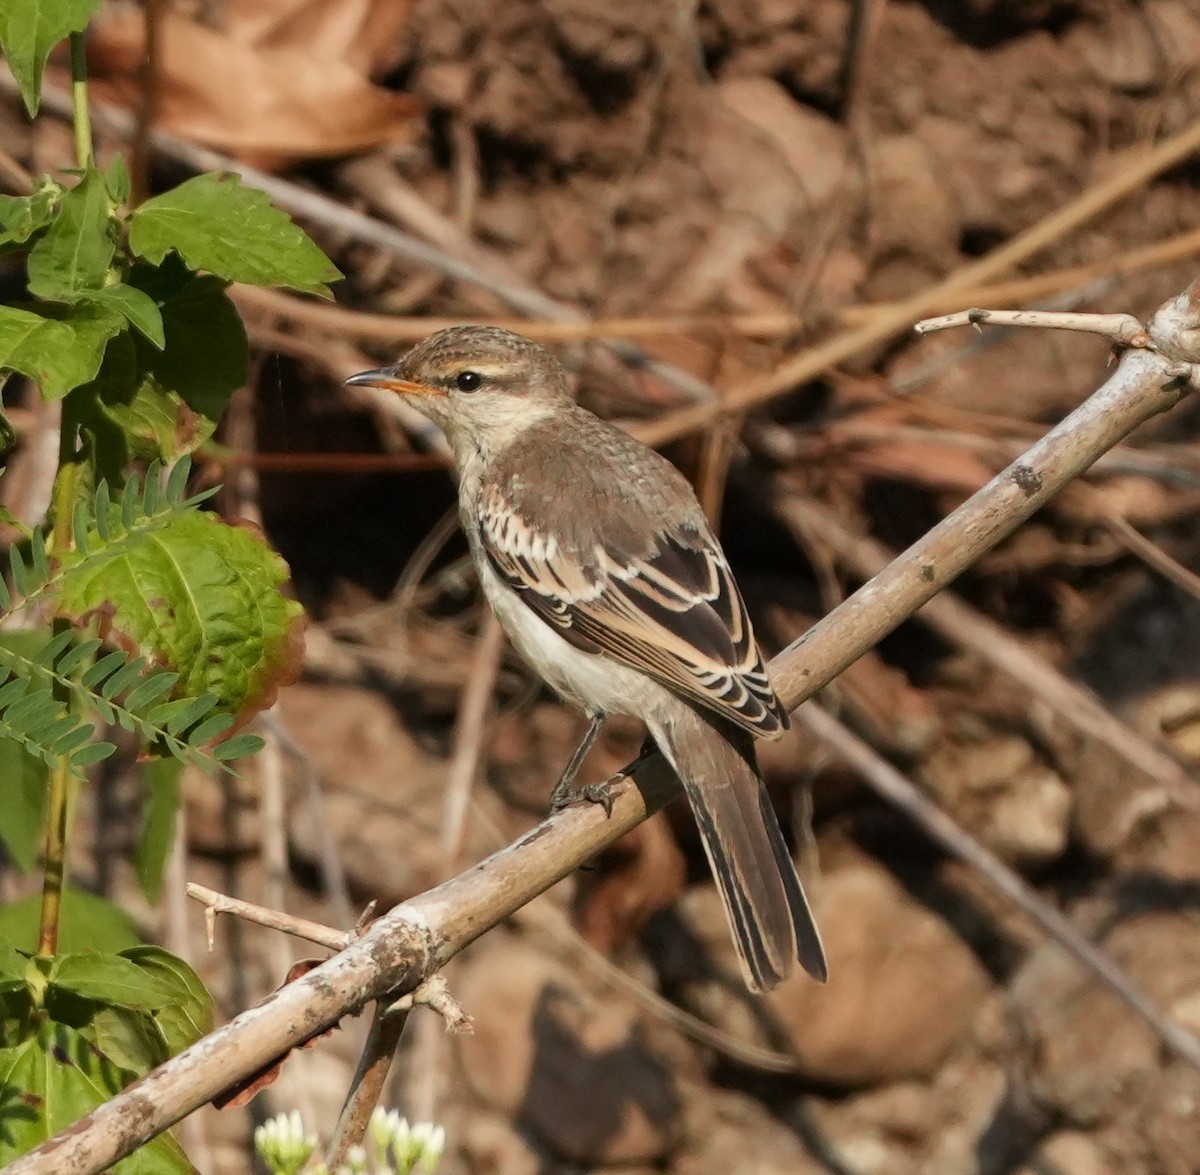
(266,98)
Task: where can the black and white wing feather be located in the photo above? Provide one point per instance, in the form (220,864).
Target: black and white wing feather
(662,602)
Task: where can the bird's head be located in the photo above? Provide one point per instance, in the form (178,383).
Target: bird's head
(479,384)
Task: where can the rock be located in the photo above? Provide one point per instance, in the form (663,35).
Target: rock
(566,1062)
(813,146)
(997,788)
(1069,1152)
(1085,1055)
(491,1146)
(383,793)
(903,989)
(727,1131)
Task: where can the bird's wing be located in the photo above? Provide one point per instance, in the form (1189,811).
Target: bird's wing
(671,610)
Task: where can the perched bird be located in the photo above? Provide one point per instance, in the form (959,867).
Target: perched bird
(600,565)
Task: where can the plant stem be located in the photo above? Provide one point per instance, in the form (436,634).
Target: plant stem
(79,102)
(58,796)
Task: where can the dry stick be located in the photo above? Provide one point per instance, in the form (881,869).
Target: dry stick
(416,938)
(1153,555)
(394,328)
(1023,290)
(1133,171)
(218,903)
(962,625)
(388,1023)
(884,779)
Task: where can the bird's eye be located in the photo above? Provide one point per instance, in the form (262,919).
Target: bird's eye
(468,381)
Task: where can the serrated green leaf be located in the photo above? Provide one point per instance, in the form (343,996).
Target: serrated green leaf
(137,308)
(62,1076)
(206,356)
(13,964)
(188,1015)
(109,979)
(130,1039)
(29,29)
(24,788)
(22,216)
(160,807)
(117,179)
(199,597)
(86,923)
(218,224)
(75,252)
(58,353)
(102,511)
(237,747)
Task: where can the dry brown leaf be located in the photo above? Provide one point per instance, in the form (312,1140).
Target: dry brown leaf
(366,34)
(268,105)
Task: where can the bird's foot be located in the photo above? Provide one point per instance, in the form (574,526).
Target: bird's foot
(592,793)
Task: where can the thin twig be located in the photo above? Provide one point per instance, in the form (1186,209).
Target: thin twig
(218,903)
(1154,556)
(1124,329)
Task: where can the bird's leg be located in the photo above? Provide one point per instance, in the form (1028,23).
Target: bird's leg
(595,793)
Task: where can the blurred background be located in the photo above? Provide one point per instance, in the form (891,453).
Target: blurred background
(681,198)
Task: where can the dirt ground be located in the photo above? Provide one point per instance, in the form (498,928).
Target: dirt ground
(737,182)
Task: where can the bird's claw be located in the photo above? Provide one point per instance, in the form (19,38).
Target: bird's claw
(592,793)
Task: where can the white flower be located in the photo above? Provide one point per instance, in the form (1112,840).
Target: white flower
(283,1145)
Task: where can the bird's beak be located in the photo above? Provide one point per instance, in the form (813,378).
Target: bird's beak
(385,377)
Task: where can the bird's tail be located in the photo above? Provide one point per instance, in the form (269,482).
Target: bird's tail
(768,913)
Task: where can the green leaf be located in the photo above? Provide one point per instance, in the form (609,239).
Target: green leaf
(59,354)
(117,179)
(22,216)
(160,779)
(54,1079)
(137,308)
(188,1015)
(13,968)
(76,251)
(218,224)
(196,596)
(22,776)
(205,358)
(29,29)
(130,1039)
(109,979)
(86,923)
(24,790)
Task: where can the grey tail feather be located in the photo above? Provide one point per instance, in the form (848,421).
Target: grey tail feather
(768,913)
